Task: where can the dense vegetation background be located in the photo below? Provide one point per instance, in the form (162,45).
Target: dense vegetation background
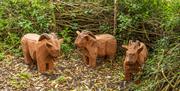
(154,22)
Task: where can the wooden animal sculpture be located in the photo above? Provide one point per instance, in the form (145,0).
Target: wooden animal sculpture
(136,55)
(41,49)
(93,46)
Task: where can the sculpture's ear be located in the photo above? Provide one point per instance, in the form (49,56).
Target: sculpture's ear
(130,42)
(54,35)
(49,45)
(78,32)
(125,47)
(61,41)
(87,37)
(44,36)
(140,48)
(91,34)
(138,42)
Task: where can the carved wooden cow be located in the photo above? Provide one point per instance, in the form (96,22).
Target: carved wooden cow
(41,49)
(93,46)
(136,55)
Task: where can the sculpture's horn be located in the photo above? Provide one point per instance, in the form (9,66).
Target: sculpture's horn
(44,36)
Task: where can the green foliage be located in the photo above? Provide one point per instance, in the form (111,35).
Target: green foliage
(1,56)
(171,15)
(24,75)
(27,25)
(29,15)
(20,81)
(12,39)
(104,28)
(67,45)
(11,44)
(18,17)
(60,79)
(161,68)
(149,16)
(124,22)
(18,84)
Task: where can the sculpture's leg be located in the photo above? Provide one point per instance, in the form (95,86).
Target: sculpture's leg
(93,62)
(85,59)
(92,57)
(41,66)
(128,75)
(27,58)
(51,66)
(127,71)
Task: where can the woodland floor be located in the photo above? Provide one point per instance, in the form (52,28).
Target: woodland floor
(71,74)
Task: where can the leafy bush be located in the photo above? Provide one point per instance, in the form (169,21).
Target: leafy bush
(67,46)
(124,22)
(156,23)
(147,18)
(29,15)
(18,17)
(161,70)
(1,56)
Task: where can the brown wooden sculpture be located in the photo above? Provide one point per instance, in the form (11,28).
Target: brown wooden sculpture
(93,46)
(41,49)
(136,56)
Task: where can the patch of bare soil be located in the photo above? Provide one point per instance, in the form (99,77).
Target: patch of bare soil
(71,74)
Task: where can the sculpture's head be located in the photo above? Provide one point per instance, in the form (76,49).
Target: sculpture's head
(52,44)
(132,51)
(84,38)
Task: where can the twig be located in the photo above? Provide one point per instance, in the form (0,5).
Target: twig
(152,33)
(145,32)
(54,20)
(115,15)
(166,78)
(11,47)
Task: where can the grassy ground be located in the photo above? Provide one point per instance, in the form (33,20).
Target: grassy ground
(70,74)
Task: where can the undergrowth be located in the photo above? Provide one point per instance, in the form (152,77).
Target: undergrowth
(162,67)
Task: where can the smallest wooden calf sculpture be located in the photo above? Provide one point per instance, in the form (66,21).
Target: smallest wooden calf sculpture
(41,50)
(136,55)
